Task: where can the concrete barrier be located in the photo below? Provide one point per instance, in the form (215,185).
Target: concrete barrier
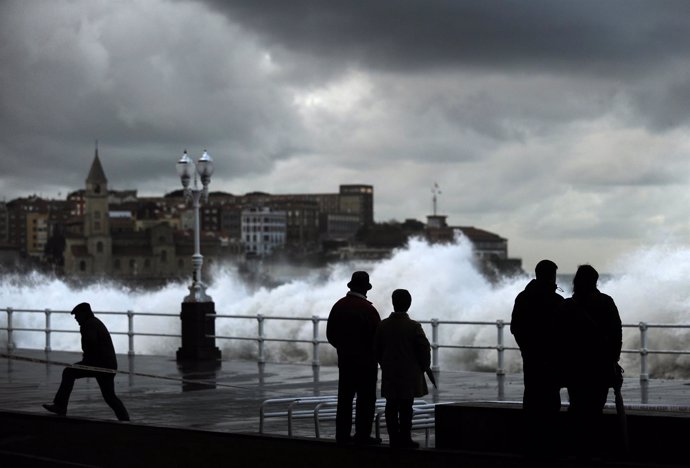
(654,436)
(32,440)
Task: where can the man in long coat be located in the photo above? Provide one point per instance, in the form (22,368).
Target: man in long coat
(350,329)
(404,353)
(537,326)
(98,352)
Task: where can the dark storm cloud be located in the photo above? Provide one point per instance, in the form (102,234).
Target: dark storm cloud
(542,120)
(413,35)
(144,81)
(627,45)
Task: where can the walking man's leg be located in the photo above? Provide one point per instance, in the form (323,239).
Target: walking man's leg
(61,400)
(107,384)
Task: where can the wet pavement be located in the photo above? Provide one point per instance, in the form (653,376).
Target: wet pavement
(157,392)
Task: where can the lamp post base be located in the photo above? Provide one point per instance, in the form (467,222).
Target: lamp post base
(197,325)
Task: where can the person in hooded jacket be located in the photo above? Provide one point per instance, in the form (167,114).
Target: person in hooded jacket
(98,352)
(593,343)
(536,324)
(404,353)
(350,330)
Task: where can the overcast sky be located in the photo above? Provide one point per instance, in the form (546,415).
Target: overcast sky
(563,126)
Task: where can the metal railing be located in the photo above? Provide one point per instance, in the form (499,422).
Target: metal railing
(261,338)
(323,408)
(48,331)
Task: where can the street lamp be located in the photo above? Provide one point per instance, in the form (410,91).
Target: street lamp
(203,169)
(198,310)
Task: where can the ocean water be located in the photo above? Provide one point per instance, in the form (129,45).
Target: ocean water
(651,286)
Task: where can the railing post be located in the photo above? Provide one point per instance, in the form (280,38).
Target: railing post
(644,372)
(435,367)
(261,358)
(500,348)
(10,338)
(500,368)
(130,332)
(315,363)
(47,312)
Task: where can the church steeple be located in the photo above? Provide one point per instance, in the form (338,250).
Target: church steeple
(96,174)
(96,217)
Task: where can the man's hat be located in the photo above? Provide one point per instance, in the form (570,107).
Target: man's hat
(360,279)
(79,308)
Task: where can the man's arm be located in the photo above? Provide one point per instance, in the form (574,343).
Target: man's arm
(89,344)
(332,328)
(422,347)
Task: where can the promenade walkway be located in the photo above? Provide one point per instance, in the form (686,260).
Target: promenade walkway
(228,400)
(188,417)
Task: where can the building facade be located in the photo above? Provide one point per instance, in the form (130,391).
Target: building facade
(263,231)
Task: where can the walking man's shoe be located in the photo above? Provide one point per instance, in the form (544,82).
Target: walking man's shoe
(53,408)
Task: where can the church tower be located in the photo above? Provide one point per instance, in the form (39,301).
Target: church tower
(96,218)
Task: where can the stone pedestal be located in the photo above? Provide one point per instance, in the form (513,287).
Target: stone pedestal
(196,324)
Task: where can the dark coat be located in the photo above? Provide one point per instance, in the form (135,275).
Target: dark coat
(404,353)
(536,324)
(350,329)
(593,338)
(96,344)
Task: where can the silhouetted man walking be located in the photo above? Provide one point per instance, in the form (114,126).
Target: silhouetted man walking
(404,353)
(536,325)
(98,351)
(350,329)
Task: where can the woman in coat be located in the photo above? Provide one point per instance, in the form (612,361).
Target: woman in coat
(404,353)
(594,340)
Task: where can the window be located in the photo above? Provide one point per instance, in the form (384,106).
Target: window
(82,266)
(99,247)
(164,256)
(117,264)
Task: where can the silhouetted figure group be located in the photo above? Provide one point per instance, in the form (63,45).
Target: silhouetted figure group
(363,341)
(98,361)
(573,343)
